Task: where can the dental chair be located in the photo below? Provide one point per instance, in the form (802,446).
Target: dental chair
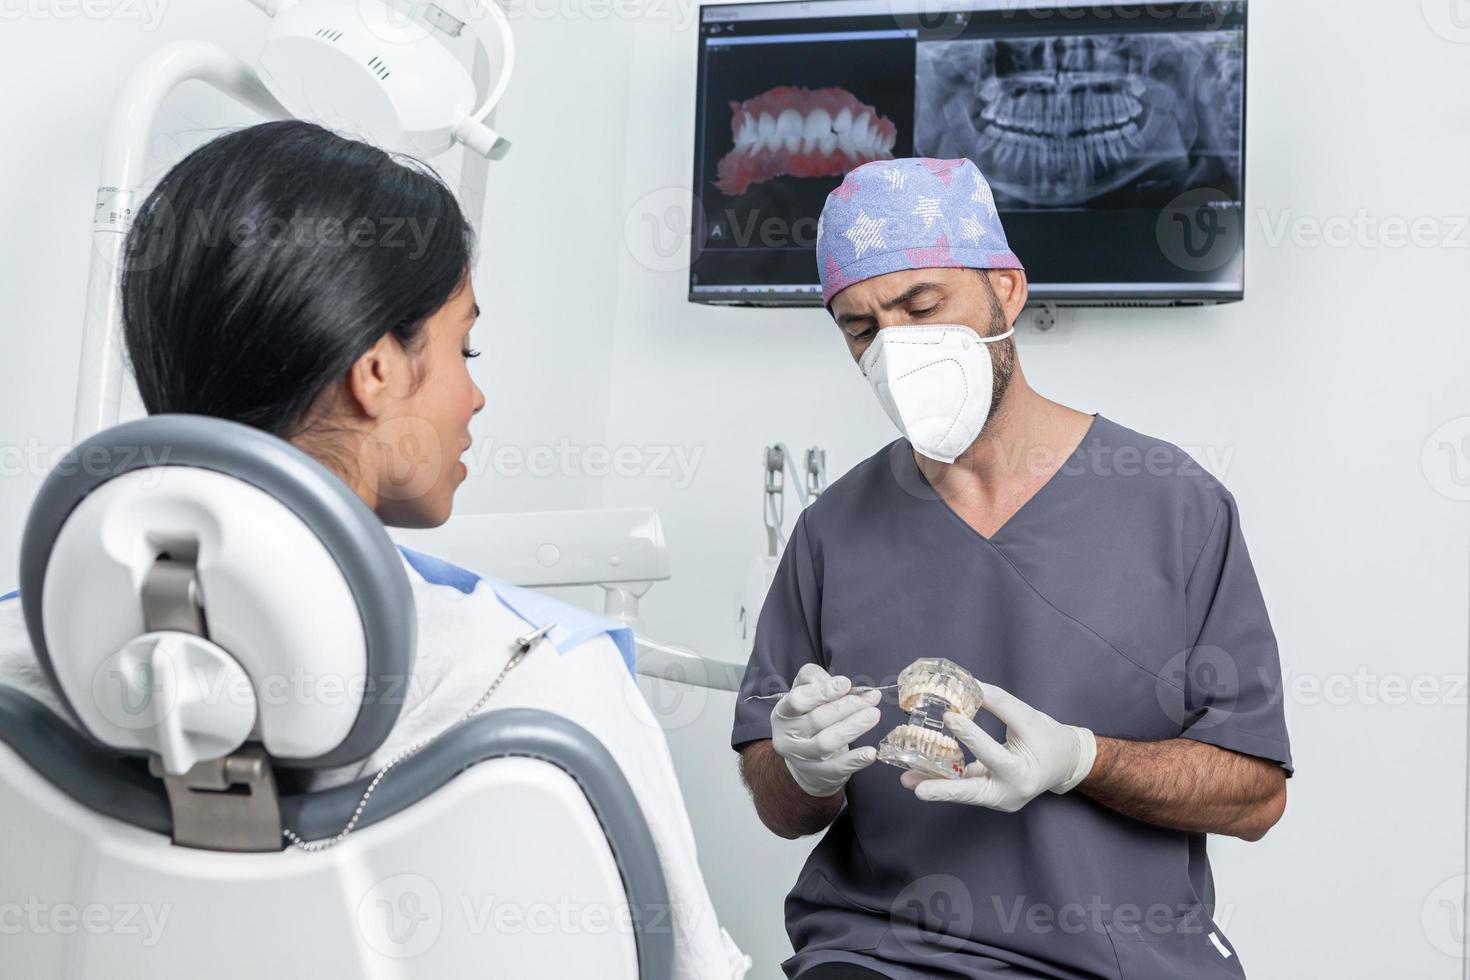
(221,615)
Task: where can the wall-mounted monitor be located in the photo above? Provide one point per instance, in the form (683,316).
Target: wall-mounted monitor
(1112,134)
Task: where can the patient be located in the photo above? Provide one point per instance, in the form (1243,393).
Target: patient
(319,289)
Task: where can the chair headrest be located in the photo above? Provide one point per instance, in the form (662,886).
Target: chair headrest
(190,583)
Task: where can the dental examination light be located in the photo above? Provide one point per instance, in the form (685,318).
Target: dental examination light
(393,72)
(382,70)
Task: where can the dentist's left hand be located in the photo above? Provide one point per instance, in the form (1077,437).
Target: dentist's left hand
(1039,754)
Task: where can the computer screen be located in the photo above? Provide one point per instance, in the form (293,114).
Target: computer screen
(1112,135)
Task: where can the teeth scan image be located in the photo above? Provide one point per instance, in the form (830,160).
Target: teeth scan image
(1062,122)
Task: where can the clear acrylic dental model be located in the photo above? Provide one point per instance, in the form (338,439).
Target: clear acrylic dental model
(927,688)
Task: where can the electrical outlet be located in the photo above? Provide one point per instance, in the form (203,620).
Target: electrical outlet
(1044,323)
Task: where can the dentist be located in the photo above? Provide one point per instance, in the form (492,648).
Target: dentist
(1094,579)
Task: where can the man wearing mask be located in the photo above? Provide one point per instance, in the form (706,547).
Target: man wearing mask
(1095,581)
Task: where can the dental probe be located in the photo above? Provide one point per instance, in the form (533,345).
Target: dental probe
(856,690)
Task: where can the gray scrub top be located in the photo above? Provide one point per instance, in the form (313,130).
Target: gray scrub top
(1119,598)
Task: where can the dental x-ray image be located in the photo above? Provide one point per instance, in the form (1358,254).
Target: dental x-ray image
(1101,120)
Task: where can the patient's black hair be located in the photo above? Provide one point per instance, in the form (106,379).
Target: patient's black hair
(270,259)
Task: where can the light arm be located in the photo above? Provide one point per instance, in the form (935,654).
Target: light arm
(100,377)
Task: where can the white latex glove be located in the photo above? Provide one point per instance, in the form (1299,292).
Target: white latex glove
(1039,754)
(813,724)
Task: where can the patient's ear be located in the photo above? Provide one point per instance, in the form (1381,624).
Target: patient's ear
(377,379)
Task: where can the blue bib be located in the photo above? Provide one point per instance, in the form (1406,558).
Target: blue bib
(571,625)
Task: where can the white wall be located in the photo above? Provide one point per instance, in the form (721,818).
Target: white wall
(1320,393)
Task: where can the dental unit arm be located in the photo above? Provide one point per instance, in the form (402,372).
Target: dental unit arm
(330,61)
(620,550)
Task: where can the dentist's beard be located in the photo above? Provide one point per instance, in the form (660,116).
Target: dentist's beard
(1002,357)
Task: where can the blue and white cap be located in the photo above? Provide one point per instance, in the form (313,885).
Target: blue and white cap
(913,213)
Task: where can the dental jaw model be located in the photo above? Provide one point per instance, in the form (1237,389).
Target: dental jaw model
(927,688)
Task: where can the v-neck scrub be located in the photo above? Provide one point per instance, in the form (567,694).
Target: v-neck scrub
(1121,598)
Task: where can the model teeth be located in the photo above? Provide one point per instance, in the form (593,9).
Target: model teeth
(934,677)
(936,745)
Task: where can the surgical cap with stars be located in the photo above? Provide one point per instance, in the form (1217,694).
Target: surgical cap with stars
(914,213)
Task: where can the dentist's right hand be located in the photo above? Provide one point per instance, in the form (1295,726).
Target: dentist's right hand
(813,725)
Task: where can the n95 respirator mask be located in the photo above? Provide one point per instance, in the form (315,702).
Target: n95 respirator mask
(935,383)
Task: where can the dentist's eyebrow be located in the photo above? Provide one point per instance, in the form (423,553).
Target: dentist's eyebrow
(474,314)
(908,294)
(848,318)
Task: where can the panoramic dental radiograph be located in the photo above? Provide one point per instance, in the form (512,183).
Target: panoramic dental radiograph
(1063,121)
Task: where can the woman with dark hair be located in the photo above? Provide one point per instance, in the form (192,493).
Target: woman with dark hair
(319,289)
